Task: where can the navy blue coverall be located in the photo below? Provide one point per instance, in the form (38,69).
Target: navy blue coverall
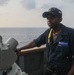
(60,52)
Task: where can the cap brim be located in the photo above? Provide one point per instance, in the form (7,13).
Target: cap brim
(46,14)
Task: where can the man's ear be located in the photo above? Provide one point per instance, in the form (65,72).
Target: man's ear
(60,19)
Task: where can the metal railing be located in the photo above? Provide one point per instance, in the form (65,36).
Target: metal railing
(32,60)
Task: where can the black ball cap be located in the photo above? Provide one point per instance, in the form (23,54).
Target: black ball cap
(52,11)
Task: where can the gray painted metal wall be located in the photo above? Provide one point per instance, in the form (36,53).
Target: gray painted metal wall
(32,63)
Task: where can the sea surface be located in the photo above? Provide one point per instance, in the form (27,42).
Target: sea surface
(22,35)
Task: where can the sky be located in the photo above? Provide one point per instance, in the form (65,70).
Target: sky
(28,13)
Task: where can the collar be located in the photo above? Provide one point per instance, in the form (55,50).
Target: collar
(64,32)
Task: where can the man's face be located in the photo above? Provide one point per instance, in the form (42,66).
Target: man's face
(53,21)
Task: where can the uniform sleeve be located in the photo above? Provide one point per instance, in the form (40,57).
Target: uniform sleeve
(41,40)
(72,42)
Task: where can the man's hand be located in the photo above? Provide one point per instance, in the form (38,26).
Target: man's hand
(17,51)
(71,72)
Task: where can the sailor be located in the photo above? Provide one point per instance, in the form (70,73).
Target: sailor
(59,41)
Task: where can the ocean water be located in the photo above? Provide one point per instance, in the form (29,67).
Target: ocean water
(22,35)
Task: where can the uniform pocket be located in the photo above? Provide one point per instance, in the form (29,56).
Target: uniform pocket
(63,50)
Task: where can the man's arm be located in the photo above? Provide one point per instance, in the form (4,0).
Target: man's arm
(71,71)
(30,45)
(36,42)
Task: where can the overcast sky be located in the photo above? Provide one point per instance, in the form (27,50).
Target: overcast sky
(28,13)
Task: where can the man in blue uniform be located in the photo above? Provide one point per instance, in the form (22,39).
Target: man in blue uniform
(59,41)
